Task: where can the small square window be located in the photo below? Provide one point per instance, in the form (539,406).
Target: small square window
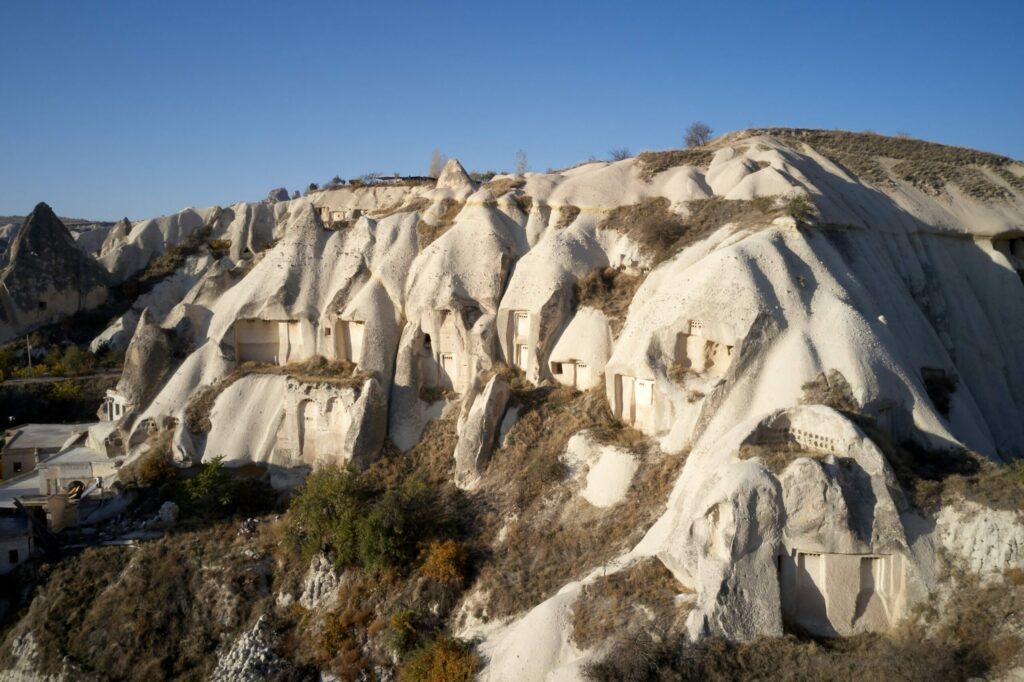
(556,368)
(17,467)
(327,331)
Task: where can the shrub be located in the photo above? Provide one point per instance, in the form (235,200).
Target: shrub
(801,208)
(444,561)
(67,391)
(338,512)
(220,246)
(77,361)
(940,387)
(155,466)
(401,634)
(214,492)
(7,360)
(210,492)
(619,154)
(112,359)
(446,659)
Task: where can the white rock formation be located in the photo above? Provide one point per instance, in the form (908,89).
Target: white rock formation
(478,433)
(987,541)
(911,292)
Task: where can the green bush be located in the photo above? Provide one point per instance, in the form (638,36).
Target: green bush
(77,361)
(355,524)
(67,390)
(215,493)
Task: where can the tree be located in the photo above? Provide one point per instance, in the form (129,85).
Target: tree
(521,164)
(437,161)
(619,154)
(335,181)
(295,194)
(698,134)
(313,187)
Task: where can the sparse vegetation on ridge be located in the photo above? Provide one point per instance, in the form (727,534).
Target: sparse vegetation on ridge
(662,233)
(653,163)
(504,185)
(928,166)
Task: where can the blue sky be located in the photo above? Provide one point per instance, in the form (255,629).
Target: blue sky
(139,108)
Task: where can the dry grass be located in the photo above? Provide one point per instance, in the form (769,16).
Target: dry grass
(641,597)
(154,467)
(831,389)
(428,233)
(652,163)
(937,478)
(611,291)
(926,165)
(504,185)
(317,370)
(417,204)
(554,536)
(776,458)
(524,202)
(661,233)
(566,215)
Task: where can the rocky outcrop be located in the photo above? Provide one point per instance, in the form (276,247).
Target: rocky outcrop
(46,276)
(252,658)
(146,363)
(319,587)
(987,541)
(454,177)
(117,236)
(478,432)
(276,195)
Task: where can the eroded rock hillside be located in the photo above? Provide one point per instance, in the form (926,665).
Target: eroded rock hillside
(770,385)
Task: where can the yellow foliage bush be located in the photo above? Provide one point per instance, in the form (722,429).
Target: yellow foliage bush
(444,561)
(443,660)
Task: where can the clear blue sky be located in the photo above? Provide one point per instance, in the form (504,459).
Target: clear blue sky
(140,108)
